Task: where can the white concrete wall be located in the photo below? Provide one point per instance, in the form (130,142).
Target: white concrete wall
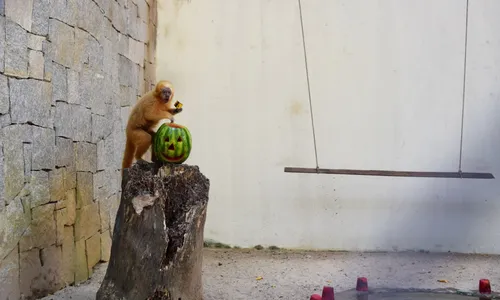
(387,83)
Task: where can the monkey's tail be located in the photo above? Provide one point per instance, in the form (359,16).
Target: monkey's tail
(128,155)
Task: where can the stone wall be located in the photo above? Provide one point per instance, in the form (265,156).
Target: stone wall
(69,72)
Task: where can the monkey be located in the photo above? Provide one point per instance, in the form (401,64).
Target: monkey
(152,107)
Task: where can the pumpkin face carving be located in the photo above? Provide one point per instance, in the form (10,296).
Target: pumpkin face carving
(172,143)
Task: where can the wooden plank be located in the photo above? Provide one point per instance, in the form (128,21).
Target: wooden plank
(387,173)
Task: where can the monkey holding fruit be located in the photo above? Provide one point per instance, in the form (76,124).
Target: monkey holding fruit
(154,106)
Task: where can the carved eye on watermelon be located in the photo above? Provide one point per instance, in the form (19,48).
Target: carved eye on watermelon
(172,143)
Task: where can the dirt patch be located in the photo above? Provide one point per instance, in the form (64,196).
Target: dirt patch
(235,273)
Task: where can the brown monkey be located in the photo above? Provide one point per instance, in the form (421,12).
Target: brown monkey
(154,106)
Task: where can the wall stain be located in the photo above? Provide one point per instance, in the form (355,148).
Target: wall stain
(296,108)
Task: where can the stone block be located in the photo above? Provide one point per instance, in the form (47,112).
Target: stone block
(2,42)
(43,149)
(65,154)
(118,17)
(121,45)
(114,203)
(143,33)
(30,269)
(104,213)
(88,52)
(149,72)
(52,270)
(4,95)
(73,86)
(70,177)
(64,10)
(136,51)
(47,72)
(2,180)
(41,272)
(107,153)
(93,251)
(39,188)
(16,50)
(87,221)
(105,246)
(70,201)
(104,5)
(20,12)
(101,127)
(9,276)
(85,189)
(91,91)
(90,18)
(143,10)
(109,57)
(124,115)
(81,267)
(83,122)
(95,53)
(4,121)
(127,96)
(42,231)
(151,55)
(140,82)
(13,138)
(59,83)
(73,122)
(22,133)
(35,42)
(127,72)
(80,54)
(104,184)
(132,20)
(61,218)
(28,155)
(57,188)
(60,204)
(41,13)
(14,220)
(68,256)
(85,157)
(36,64)
(30,101)
(102,162)
(62,37)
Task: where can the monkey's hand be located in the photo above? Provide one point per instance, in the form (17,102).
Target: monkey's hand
(175,111)
(178,107)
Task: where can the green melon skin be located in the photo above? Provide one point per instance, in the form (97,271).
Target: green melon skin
(172,143)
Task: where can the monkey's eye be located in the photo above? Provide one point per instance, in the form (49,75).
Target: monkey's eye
(179,139)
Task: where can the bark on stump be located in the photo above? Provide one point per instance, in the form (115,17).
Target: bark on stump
(156,252)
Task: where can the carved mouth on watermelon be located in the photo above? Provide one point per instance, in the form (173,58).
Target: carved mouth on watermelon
(173,159)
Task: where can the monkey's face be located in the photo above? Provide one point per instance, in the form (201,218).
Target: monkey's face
(164,90)
(166,94)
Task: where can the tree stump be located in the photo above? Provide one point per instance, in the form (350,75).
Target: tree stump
(157,245)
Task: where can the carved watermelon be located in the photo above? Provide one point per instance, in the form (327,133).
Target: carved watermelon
(172,143)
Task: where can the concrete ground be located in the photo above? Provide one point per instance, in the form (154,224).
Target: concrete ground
(232,274)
